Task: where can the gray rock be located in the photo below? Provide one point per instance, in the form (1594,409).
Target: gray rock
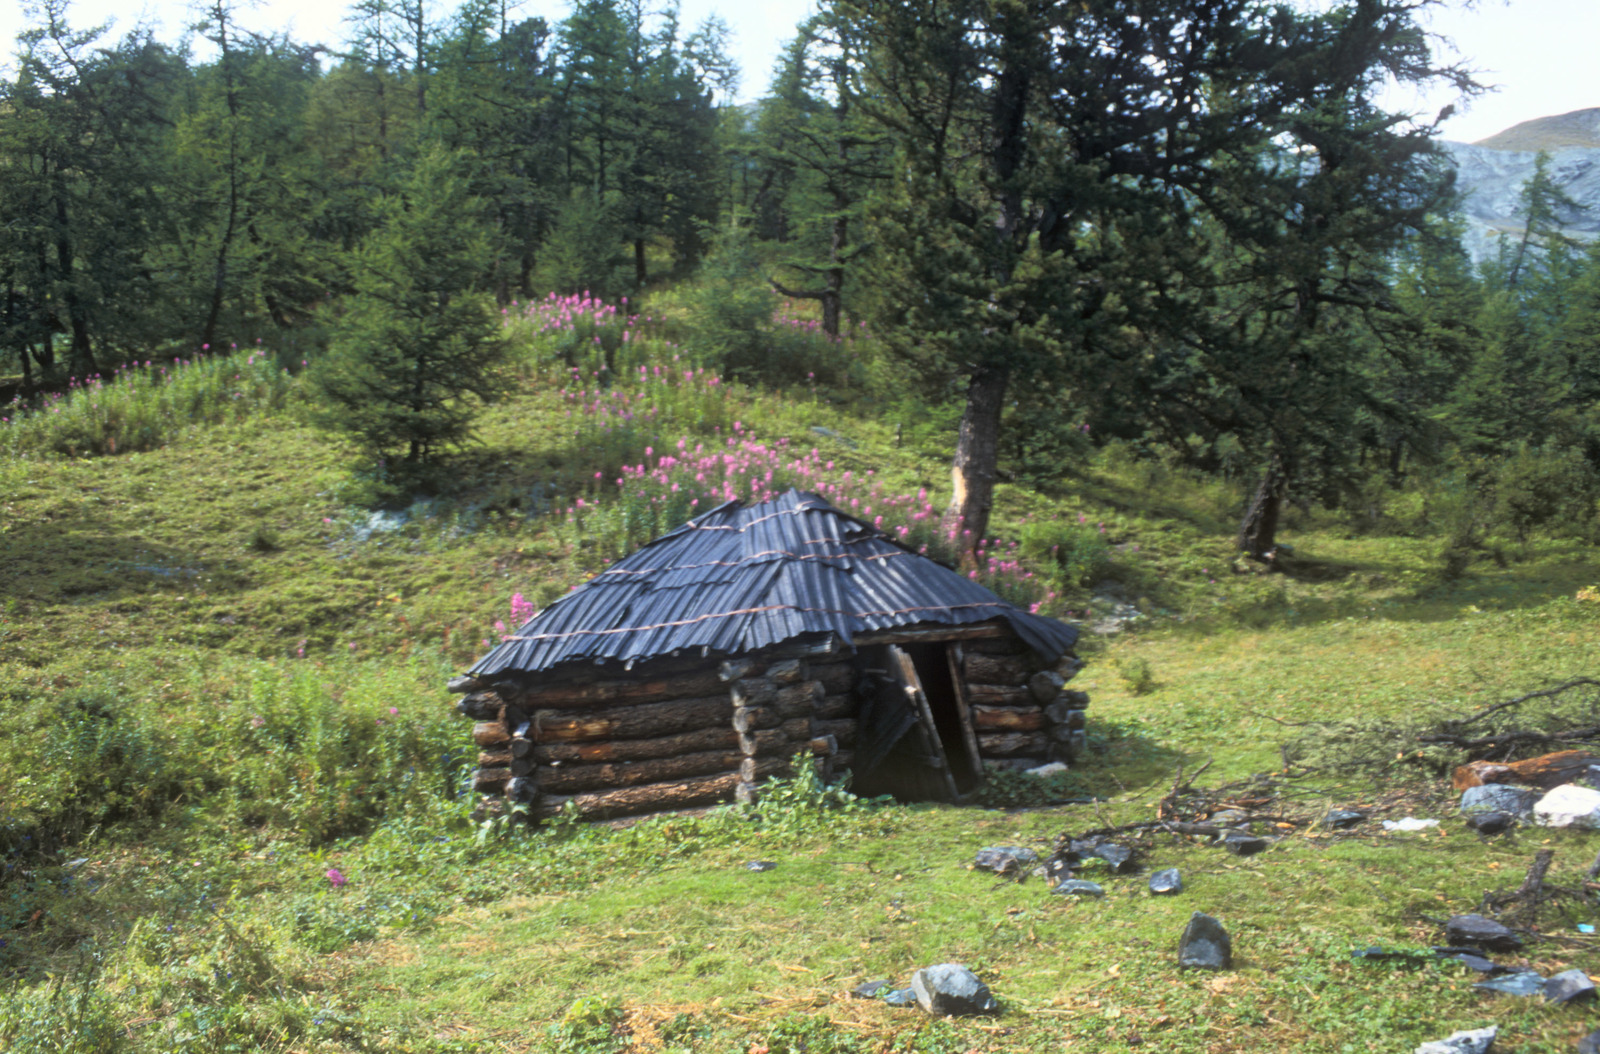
(1493,822)
(1477,962)
(1119,857)
(1240,844)
(1005,859)
(760,865)
(1166,882)
(1205,945)
(1569,986)
(1589,1044)
(1077,887)
(1523,983)
(952,989)
(1340,819)
(1500,797)
(901,997)
(1479,932)
(1472,1041)
(869,989)
(1229,818)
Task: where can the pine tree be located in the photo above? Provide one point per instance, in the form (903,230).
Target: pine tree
(414,341)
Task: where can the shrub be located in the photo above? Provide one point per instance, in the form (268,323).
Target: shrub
(1552,490)
(1079,550)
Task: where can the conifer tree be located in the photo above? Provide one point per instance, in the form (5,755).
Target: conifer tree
(414,342)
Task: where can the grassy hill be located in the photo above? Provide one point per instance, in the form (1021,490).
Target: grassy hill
(233,818)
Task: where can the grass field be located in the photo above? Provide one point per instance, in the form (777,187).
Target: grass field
(231,818)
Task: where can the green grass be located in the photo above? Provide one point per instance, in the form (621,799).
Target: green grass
(201,645)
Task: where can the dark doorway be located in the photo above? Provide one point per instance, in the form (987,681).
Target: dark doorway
(933,665)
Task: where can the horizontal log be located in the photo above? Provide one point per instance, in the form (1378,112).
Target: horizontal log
(788,671)
(734,669)
(464,683)
(1068,666)
(797,730)
(798,700)
(832,706)
(567,779)
(1012,744)
(935,634)
(824,746)
(521,789)
(1000,642)
(843,759)
(490,733)
(1000,695)
(1007,718)
(574,694)
(753,691)
(495,758)
(524,766)
(521,748)
(996,669)
(835,677)
(648,797)
(754,770)
(754,718)
(720,737)
(842,730)
(480,706)
(490,781)
(631,722)
(763,742)
(1045,686)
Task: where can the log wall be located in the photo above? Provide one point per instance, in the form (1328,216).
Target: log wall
(675,734)
(1021,710)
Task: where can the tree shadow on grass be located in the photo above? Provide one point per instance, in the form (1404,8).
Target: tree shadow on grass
(74,555)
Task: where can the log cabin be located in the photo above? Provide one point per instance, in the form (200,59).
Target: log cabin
(757,634)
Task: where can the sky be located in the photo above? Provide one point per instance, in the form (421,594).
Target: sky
(1538,54)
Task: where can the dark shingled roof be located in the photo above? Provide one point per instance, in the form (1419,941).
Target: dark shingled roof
(744,577)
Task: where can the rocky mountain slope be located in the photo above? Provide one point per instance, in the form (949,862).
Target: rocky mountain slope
(1491,172)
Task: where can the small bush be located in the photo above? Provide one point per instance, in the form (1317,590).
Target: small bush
(1080,550)
(1548,490)
(1008,788)
(1135,673)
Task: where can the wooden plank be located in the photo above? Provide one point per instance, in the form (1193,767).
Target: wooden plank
(954,658)
(918,635)
(720,737)
(905,671)
(1009,718)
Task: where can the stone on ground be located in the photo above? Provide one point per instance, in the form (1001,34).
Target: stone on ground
(1205,945)
(951,989)
(1472,1041)
(1569,986)
(1166,882)
(1479,932)
(1569,805)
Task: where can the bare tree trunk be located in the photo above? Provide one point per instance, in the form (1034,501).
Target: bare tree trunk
(1259,529)
(972,473)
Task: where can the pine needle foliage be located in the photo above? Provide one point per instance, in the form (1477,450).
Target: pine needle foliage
(415,340)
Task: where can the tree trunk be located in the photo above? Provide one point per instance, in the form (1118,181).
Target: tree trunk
(80,353)
(972,473)
(1259,530)
(631,722)
(569,778)
(719,738)
(639,274)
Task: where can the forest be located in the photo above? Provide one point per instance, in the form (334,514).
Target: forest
(324,367)
(1185,228)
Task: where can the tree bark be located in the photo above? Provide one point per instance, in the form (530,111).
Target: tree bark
(1007,719)
(996,669)
(704,682)
(718,738)
(972,473)
(569,778)
(630,722)
(1259,530)
(999,694)
(1012,744)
